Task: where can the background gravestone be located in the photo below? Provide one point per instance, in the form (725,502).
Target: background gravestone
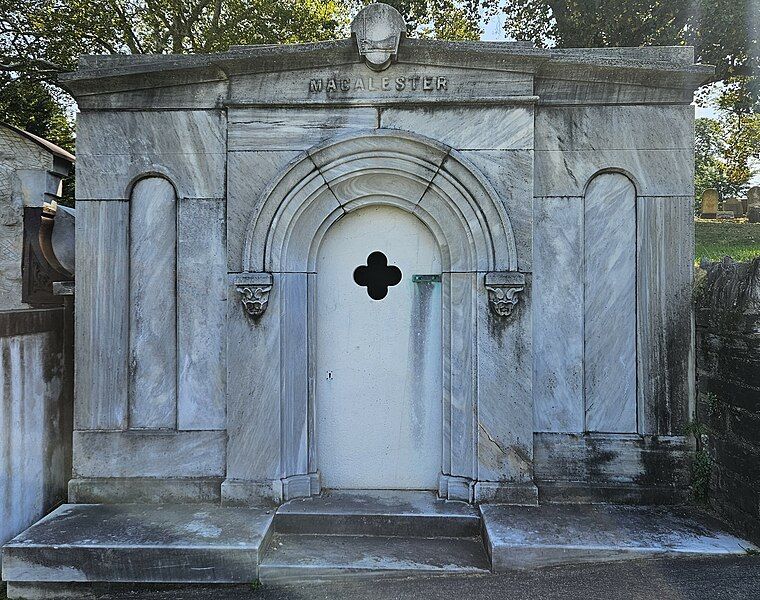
(709,203)
(753,204)
(735,206)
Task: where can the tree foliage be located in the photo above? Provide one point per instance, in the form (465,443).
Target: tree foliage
(39,39)
(725,150)
(35,107)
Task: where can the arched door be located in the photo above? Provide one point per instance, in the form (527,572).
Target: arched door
(378,366)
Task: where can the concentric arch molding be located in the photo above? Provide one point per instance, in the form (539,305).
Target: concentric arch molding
(380,167)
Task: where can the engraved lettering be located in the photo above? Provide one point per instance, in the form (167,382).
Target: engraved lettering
(379,84)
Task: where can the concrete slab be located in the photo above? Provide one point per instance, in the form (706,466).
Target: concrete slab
(294,558)
(520,537)
(140,543)
(377,512)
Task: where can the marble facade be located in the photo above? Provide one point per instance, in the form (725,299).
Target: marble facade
(557,183)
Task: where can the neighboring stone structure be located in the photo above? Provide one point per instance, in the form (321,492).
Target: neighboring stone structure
(36,362)
(728,362)
(244,338)
(31,173)
(753,204)
(710,198)
(735,206)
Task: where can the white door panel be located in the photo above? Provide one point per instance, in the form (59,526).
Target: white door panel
(378,361)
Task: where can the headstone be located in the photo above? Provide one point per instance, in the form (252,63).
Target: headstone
(753,204)
(724,214)
(709,203)
(735,206)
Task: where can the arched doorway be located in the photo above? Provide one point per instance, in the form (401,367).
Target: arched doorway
(414,181)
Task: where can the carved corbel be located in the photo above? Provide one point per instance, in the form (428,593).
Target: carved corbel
(254,290)
(503,289)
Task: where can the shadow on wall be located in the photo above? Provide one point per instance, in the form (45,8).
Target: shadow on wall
(727,298)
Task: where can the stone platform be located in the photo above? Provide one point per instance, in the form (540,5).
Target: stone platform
(339,535)
(519,537)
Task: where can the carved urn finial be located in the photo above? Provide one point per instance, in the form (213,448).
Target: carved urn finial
(378,29)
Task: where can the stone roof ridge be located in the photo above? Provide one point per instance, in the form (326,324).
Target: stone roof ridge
(42,142)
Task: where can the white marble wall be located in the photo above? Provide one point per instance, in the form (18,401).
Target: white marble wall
(558,311)
(102,315)
(578,245)
(665,319)
(653,144)
(151,305)
(652,240)
(32,443)
(116,148)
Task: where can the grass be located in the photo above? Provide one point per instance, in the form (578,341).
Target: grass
(716,239)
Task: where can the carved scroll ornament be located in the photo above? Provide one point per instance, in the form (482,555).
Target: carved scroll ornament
(503,291)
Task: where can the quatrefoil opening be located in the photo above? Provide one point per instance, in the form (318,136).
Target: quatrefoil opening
(377,276)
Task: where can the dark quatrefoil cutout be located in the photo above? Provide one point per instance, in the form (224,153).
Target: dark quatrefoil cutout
(377,276)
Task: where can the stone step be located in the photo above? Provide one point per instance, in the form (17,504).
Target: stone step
(135,543)
(524,537)
(384,513)
(293,558)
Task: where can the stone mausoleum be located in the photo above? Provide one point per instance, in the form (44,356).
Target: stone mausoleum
(382,264)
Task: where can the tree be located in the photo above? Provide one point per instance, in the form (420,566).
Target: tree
(709,166)
(39,39)
(33,106)
(724,152)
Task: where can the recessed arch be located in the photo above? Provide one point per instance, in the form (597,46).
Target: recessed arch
(457,205)
(155,172)
(419,175)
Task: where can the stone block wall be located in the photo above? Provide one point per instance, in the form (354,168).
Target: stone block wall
(728,367)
